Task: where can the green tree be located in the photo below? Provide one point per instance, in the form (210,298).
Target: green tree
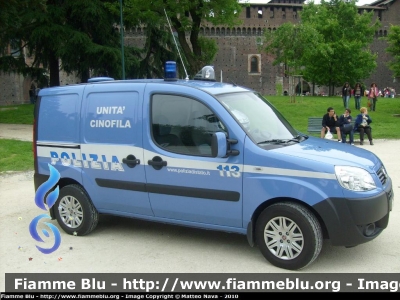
(185,17)
(291,44)
(74,35)
(12,16)
(158,48)
(94,34)
(330,46)
(344,53)
(79,36)
(393,40)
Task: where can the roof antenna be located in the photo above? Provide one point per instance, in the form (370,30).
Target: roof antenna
(176,44)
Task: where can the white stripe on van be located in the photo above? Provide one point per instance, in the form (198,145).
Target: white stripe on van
(122,151)
(288,172)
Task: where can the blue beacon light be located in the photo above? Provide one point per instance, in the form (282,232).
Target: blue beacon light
(170,70)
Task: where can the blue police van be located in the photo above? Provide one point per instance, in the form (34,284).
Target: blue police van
(209,155)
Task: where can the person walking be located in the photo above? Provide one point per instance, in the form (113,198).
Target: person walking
(358,92)
(346,94)
(37,94)
(32,91)
(373,95)
(362,125)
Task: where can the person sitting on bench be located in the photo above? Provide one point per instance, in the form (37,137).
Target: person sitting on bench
(346,126)
(330,122)
(362,124)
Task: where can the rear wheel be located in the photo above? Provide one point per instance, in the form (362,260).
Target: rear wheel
(75,211)
(289,235)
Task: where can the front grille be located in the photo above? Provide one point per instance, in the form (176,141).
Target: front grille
(382,175)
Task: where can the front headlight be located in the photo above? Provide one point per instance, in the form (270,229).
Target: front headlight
(354,179)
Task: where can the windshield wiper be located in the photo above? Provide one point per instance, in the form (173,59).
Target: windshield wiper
(297,138)
(280,141)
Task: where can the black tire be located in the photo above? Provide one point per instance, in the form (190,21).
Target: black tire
(75,211)
(294,246)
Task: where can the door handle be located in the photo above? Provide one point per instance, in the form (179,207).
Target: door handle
(131,161)
(157,162)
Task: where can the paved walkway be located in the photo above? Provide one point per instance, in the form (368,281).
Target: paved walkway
(16,131)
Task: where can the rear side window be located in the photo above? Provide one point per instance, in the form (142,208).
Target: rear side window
(59,118)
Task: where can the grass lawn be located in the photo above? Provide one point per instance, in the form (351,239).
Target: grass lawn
(17,114)
(17,155)
(385,120)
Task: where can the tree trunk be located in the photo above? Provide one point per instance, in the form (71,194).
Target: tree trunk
(85,76)
(54,70)
(192,53)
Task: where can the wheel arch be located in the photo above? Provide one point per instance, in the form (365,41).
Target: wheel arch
(62,183)
(252,224)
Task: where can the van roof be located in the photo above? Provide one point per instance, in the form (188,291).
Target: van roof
(211,87)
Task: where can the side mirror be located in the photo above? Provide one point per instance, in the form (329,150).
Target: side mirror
(220,145)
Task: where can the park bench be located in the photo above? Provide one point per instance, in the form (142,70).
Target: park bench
(315,125)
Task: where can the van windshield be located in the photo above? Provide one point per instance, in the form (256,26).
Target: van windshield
(259,118)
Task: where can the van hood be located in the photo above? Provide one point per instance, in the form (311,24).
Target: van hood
(331,152)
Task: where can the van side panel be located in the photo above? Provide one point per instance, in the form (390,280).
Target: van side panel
(112,131)
(58,131)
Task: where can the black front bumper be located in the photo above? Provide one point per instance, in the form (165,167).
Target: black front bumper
(350,222)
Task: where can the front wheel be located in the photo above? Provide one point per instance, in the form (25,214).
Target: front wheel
(289,235)
(75,211)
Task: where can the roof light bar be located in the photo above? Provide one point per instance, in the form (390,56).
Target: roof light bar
(170,71)
(207,74)
(98,79)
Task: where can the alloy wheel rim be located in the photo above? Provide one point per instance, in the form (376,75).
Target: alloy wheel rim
(283,238)
(71,212)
